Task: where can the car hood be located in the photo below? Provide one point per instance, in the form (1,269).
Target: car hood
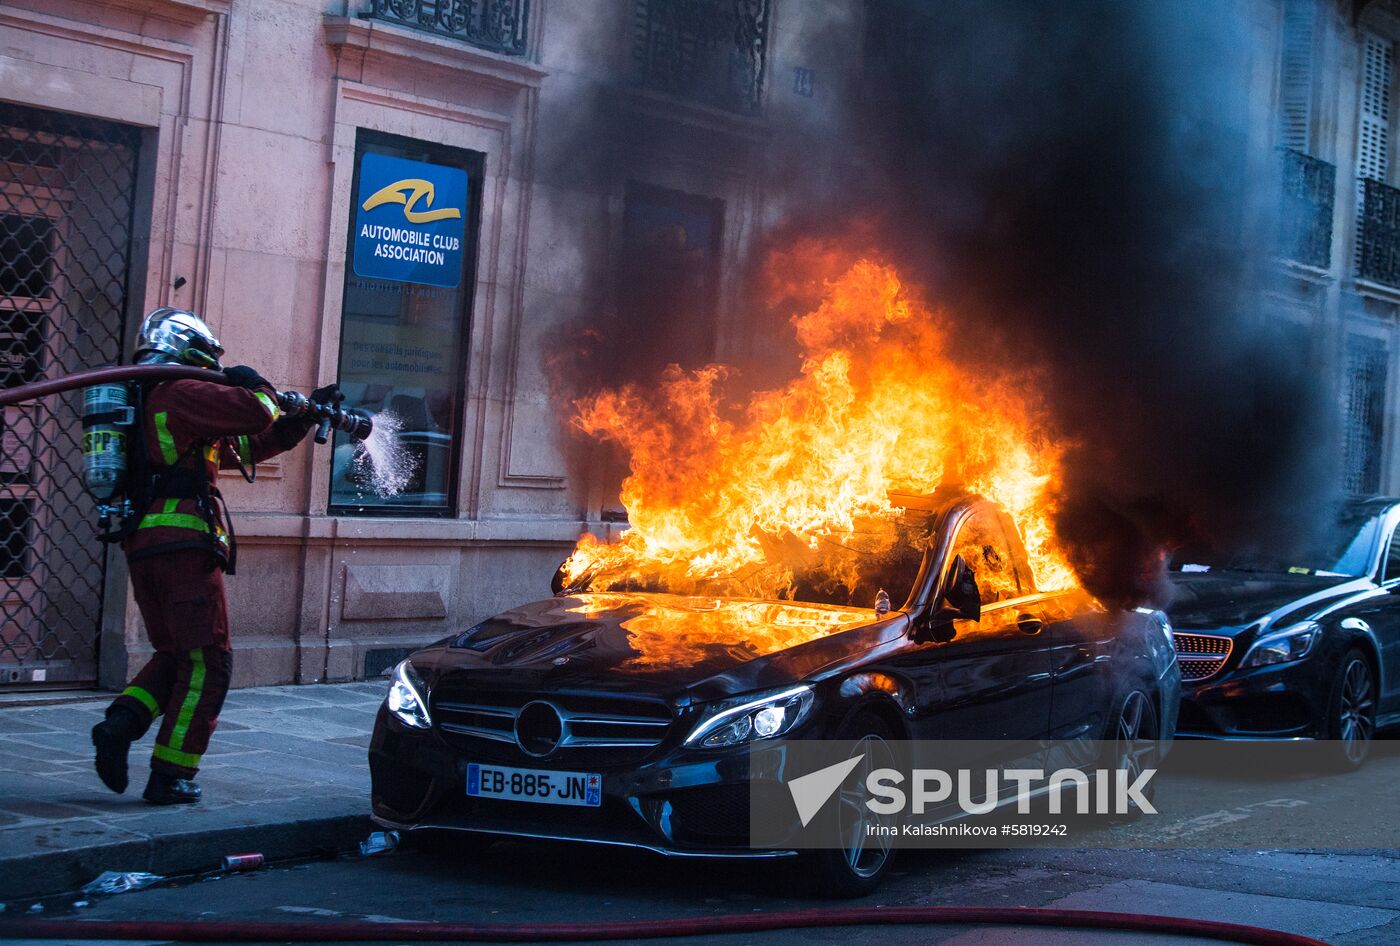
(1225,599)
(657,643)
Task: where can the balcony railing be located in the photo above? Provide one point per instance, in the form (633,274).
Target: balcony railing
(708,51)
(497,25)
(1309,186)
(1378,237)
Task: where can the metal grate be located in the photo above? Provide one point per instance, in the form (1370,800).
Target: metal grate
(1306,225)
(497,25)
(708,51)
(1367,367)
(1201,655)
(1378,246)
(67,188)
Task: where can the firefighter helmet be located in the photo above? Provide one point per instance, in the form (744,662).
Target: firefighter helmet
(177,336)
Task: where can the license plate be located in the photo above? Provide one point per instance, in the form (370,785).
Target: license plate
(542,786)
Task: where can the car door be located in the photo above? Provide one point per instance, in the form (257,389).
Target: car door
(995,673)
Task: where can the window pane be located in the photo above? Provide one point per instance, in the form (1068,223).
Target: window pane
(984,548)
(408,281)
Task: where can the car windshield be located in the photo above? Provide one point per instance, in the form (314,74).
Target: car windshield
(1346,548)
(848,570)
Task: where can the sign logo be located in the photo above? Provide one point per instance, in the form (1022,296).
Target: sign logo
(410,221)
(394,194)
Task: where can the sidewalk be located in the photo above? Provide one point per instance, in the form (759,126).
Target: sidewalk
(285,776)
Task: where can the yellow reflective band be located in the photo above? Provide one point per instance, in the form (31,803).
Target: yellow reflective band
(168,453)
(211,454)
(173,520)
(192,695)
(175,757)
(269,404)
(142,697)
(245,450)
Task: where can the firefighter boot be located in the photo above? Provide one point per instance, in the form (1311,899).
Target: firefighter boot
(166,789)
(112,739)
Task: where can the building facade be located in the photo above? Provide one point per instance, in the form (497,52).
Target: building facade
(396,194)
(219,155)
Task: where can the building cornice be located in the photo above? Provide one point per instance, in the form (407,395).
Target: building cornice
(374,37)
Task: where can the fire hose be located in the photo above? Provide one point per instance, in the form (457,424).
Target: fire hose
(203,931)
(354,422)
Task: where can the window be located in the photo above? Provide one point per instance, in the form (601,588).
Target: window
(670,271)
(983,546)
(410,260)
(1392,559)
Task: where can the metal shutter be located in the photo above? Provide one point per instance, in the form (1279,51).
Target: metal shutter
(1373,138)
(1296,75)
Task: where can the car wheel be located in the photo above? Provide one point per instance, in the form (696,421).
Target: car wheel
(1133,744)
(1351,716)
(857,868)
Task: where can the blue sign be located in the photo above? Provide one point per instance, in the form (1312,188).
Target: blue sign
(410,221)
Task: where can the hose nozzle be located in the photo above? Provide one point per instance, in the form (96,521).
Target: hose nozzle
(356,423)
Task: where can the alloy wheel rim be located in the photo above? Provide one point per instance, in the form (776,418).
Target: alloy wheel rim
(1136,740)
(1358,705)
(865,853)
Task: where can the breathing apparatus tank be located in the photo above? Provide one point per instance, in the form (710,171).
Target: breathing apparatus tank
(109,416)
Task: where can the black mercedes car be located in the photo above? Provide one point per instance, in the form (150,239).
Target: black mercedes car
(1305,647)
(627,717)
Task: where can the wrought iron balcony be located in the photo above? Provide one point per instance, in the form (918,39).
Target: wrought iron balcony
(1309,186)
(708,51)
(497,25)
(1378,236)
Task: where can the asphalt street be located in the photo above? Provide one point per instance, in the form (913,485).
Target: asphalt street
(1345,896)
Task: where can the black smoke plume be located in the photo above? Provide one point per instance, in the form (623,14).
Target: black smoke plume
(1079,186)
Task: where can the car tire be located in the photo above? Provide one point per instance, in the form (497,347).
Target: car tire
(847,872)
(1133,742)
(1351,712)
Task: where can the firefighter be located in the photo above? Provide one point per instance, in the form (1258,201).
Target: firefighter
(180,549)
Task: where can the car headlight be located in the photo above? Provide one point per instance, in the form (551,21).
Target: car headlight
(755,716)
(1289,644)
(405,698)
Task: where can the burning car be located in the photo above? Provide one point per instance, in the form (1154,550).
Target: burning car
(1307,647)
(623,713)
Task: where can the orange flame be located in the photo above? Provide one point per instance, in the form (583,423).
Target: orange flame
(743,494)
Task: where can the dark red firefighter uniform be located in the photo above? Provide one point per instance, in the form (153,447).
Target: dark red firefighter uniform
(180,551)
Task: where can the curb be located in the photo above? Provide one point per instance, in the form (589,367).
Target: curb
(42,874)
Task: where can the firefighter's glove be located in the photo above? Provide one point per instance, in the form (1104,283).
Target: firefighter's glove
(242,376)
(330,395)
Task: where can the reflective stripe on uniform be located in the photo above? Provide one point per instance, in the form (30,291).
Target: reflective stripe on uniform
(175,757)
(144,698)
(168,453)
(245,450)
(269,404)
(187,708)
(170,519)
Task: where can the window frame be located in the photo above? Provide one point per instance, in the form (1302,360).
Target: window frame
(369,141)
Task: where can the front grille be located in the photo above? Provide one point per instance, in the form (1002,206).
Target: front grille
(1201,655)
(608,723)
